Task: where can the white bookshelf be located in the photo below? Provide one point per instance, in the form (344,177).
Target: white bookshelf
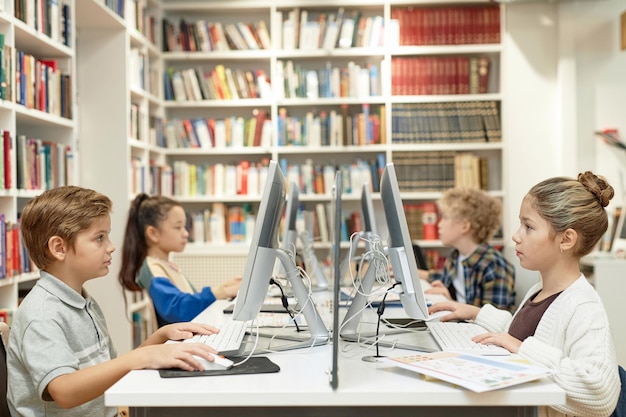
(43,122)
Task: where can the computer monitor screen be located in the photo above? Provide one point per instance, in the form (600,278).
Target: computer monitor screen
(263,247)
(400,248)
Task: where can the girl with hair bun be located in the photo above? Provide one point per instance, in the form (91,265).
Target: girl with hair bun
(561,322)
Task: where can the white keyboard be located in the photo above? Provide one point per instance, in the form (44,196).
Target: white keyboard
(457,337)
(227,341)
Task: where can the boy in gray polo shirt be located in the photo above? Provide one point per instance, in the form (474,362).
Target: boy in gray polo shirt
(60,357)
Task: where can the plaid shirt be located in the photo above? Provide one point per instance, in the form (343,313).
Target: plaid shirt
(489,277)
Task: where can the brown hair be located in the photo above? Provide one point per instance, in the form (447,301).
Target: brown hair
(479,208)
(568,203)
(144,211)
(64,211)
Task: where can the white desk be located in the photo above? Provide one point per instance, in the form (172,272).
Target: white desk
(302,388)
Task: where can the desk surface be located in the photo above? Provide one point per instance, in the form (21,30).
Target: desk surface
(304,381)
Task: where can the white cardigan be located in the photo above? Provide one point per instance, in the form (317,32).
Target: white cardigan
(573,337)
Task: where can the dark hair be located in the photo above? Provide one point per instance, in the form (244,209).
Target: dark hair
(63,211)
(144,211)
(568,203)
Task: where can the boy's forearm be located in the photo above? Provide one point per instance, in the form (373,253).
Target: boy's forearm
(84,385)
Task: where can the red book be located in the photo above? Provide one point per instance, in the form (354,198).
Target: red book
(429,221)
(260,116)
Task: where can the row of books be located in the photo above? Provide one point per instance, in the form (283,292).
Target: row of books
(317,178)
(440,170)
(42,165)
(472,121)
(137,116)
(448,25)
(13,257)
(50,18)
(219,83)
(186,179)
(139,17)
(311,29)
(40,85)
(333,128)
(221,224)
(138,62)
(439,75)
(230,132)
(204,36)
(353,80)
(422,220)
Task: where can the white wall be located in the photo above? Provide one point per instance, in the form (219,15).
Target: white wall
(530,111)
(563,78)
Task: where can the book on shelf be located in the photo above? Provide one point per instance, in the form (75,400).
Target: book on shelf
(476,373)
(447,25)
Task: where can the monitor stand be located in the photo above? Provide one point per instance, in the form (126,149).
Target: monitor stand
(317,333)
(405,337)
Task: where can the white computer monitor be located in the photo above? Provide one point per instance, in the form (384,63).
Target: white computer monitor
(400,248)
(264,251)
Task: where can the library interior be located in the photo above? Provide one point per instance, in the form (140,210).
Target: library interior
(310,143)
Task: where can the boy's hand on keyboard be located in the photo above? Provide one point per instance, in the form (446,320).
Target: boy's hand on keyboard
(180,331)
(458,311)
(504,340)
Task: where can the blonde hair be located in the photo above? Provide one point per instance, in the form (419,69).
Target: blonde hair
(483,211)
(65,212)
(568,203)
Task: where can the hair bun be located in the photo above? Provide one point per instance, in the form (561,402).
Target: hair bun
(598,186)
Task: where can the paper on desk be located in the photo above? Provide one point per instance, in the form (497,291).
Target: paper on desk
(476,373)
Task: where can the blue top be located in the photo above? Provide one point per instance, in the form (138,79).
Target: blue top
(171,303)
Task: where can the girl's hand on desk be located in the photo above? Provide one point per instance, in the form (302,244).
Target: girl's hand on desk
(179,331)
(504,340)
(173,355)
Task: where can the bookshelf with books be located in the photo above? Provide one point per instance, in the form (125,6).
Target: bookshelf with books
(37,122)
(416,83)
